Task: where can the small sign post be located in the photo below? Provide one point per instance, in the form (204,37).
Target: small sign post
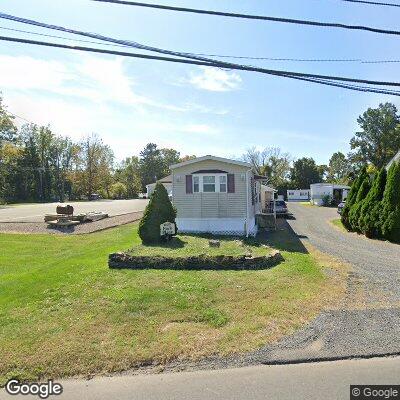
(167,230)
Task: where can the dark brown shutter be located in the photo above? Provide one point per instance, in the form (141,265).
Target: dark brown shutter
(231,183)
(189,184)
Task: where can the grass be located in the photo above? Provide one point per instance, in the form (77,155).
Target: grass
(306,203)
(189,245)
(63,312)
(338,223)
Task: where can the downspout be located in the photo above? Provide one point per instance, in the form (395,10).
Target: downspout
(247,203)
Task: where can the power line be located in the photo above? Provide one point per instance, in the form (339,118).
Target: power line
(358,60)
(372,3)
(253,17)
(202,60)
(347,83)
(61,37)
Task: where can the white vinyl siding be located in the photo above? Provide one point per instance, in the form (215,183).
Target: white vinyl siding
(215,204)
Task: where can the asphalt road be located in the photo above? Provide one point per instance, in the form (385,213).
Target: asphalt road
(36,212)
(328,380)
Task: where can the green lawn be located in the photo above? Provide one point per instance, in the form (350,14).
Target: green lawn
(338,223)
(63,312)
(189,245)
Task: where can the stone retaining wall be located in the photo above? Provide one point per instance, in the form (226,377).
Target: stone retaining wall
(201,262)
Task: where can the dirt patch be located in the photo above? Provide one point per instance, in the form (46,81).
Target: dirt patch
(87,227)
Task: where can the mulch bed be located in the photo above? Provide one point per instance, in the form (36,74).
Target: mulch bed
(87,227)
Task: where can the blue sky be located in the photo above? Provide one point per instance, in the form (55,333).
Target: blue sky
(194,109)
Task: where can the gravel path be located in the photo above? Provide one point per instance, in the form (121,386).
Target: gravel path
(88,227)
(376,263)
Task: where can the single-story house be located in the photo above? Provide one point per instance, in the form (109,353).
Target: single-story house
(217,195)
(166,181)
(396,158)
(318,191)
(298,195)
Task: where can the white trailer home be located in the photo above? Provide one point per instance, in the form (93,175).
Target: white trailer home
(320,191)
(218,195)
(298,195)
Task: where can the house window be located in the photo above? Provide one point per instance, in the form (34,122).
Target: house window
(216,183)
(209,184)
(196,184)
(222,183)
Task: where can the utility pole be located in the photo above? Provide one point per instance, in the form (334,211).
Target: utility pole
(41,170)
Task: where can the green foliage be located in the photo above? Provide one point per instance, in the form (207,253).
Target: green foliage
(355,210)
(369,221)
(351,198)
(379,138)
(118,191)
(390,216)
(338,169)
(306,172)
(158,211)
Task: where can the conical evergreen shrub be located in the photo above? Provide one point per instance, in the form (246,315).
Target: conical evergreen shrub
(369,221)
(352,196)
(390,216)
(355,211)
(158,211)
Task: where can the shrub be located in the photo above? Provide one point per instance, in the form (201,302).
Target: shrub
(369,221)
(351,198)
(390,213)
(355,210)
(327,200)
(158,211)
(119,191)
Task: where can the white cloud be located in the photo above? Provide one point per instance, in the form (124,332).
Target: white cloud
(215,80)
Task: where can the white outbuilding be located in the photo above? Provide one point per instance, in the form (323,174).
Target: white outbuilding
(331,191)
(298,195)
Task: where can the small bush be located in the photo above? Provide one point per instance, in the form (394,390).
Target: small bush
(158,211)
(351,198)
(355,211)
(390,213)
(119,191)
(369,221)
(327,200)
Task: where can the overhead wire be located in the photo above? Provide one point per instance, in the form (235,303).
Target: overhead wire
(191,56)
(346,83)
(252,17)
(316,60)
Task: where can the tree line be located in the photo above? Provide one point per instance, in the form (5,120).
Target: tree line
(375,143)
(38,165)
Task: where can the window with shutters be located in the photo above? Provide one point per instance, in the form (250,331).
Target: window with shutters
(210,183)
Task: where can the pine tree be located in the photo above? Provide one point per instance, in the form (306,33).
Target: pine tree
(352,196)
(158,211)
(355,211)
(390,216)
(369,221)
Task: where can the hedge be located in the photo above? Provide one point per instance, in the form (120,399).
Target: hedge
(369,221)
(351,197)
(390,213)
(355,210)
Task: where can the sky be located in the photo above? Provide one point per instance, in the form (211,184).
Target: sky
(198,110)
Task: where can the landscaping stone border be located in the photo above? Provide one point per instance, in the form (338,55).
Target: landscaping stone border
(201,262)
